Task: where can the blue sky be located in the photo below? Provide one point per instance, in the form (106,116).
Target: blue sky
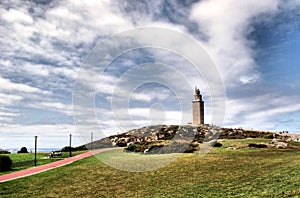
(255,46)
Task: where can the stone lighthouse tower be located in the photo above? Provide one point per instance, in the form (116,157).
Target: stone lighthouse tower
(198,108)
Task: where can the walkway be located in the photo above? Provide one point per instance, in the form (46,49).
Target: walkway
(42,168)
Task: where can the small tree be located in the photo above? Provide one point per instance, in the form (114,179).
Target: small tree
(5,163)
(23,150)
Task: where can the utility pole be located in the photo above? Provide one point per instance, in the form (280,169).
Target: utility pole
(35,148)
(92,141)
(70,150)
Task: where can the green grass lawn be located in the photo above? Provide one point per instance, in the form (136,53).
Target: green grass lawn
(221,173)
(26,160)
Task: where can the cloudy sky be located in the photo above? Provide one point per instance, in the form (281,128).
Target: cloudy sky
(45,45)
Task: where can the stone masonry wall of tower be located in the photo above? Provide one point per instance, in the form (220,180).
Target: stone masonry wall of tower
(198,108)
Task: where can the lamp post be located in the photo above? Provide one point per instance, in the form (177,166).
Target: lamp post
(70,149)
(35,148)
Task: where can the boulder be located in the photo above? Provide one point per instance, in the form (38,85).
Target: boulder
(295,138)
(282,145)
(279,143)
(231,148)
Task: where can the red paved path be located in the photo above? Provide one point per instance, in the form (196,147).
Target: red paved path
(42,168)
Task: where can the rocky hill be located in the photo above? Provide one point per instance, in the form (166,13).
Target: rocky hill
(183,138)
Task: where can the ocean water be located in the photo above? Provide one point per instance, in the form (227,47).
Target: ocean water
(31,150)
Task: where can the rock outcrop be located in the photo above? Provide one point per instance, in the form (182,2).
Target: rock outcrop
(178,138)
(278,143)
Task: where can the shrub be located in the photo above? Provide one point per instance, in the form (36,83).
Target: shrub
(133,148)
(218,144)
(268,136)
(173,147)
(5,163)
(23,150)
(67,149)
(155,149)
(173,128)
(121,144)
(258,146)
(81,148)
(190,149)
(4,152)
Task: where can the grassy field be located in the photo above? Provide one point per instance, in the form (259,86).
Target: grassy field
(26,160)
(245,172)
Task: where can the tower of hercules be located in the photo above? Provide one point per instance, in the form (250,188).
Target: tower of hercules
(198,108)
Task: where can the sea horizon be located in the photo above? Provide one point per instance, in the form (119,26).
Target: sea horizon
(31,150)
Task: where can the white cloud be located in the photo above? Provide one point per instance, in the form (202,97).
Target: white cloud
(36,69)
(147,97)
(46,70)
(9,99)
(14,15)
(259,111)
(141,97)
(266,114)
(56,105)
(8,85)
(72,20)
(53,106)
(105,85)
(7,115)
(228,24)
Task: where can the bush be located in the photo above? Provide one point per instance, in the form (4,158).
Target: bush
(173,147)
(133,148)
(155,149)
(190,149)
(218,144)
(4,152)
(257,146)
(5,163)
(67,149)
(215,143)
(81,148)
(23,150)
(121,143)
(268,136)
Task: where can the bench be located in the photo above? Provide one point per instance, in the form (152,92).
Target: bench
(55,154)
